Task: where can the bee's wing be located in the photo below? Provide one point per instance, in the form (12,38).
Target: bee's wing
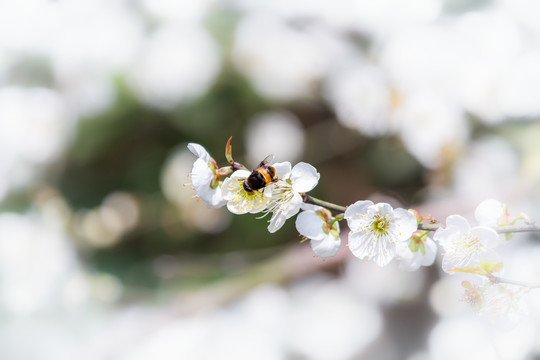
(267,160)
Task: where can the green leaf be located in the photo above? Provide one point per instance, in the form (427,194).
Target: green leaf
(491,266)
(469,269)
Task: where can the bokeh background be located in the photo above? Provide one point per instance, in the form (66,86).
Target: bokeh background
(105,254)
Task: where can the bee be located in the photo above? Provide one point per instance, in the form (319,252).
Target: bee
(263,175)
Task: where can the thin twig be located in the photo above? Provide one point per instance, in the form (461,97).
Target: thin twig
(498,280)
(314,201)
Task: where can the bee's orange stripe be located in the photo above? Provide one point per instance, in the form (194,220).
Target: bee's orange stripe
(264,172)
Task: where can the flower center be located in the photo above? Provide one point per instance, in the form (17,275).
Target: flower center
(379,225)
(469,243)
(464,246)
(473,296)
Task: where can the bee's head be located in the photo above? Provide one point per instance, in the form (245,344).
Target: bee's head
(247,188)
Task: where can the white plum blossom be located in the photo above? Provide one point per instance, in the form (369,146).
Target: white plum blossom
(323,231)
(416,253)
(286,200)
(498,303)
(239,201)
(204,177)
(464,246)
(491,212)
(376,229)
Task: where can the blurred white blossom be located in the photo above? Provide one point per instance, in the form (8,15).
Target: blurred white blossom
(431,129)
(36,126)
(463,245)
(488,167)
(261,132)
(343,332)
(178,63)
(282,62)
(172,10)
(461,338)
(384,286)
(36,264)
(361,98)
(520,84)
(490,212)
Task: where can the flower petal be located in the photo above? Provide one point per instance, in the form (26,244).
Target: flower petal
(304,177)
(240,174)
(199,151)
(213,198)
(380,209)
(488,212)
(431,252)
(277,221)
(487,236)
(458,221)
(326,247)
(283,169)
(310,225)
(379,249)
(355,212)
(236,208)
(201,174)
(405,224)
(445,235)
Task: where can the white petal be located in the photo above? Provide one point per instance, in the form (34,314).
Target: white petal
(304,177)
(354,213)
(294,205)
(236,208)
(213,198)
(459,222)
(284,212)
(240,174)
(276,222)
(199,151)
(445,235)
(326,247)
(310,225)
(448,263)
(201,174)
(431,253)
(258,204)
(363,245)
(283,169)
(228,188)
(380,209)
(405,223)
(305,206)
(488,212)
(407,259)
(487,236)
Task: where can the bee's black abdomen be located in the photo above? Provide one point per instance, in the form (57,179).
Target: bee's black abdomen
(247,187)
(255,181)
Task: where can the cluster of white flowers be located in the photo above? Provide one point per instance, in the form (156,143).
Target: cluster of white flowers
(378,232)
